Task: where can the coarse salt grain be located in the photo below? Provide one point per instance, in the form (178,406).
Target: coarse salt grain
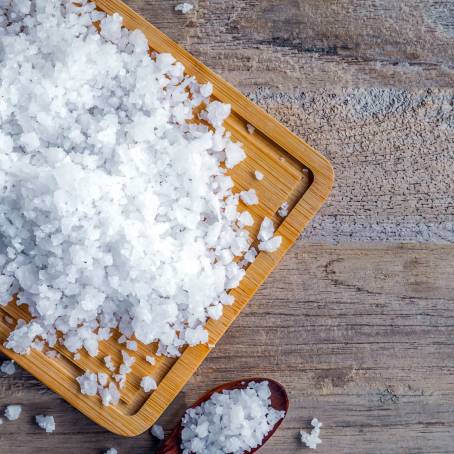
(108,362)
(313,439)
(88,383)
(157,431)
(249,197)
(131,345)
(184,8)
(283,210)
(233,421)
(111,451)
(150,359)
(82,258)
(46,423)
(268,242)
(12,412)
(148,384)
(8,367)
(250,128)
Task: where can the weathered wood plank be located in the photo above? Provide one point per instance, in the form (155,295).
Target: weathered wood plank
(288,44)
(361,337)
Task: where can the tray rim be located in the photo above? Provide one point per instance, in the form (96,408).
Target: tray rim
(305,209)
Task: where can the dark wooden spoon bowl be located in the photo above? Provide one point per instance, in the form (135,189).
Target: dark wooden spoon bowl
(279,401)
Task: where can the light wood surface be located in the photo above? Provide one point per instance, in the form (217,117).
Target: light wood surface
(293,173)
(368,350)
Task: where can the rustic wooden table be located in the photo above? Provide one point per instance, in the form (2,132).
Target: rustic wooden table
(358,321)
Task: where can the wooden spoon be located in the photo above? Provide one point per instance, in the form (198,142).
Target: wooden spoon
(279,401)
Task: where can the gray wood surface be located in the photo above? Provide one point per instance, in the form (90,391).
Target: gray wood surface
(357,322)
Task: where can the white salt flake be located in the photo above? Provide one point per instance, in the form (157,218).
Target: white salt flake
(313,439)
(233,421)
(259,175)
(108,362)
(249,197)
(271,245)
(111,451)
(157,431)
(268,242)
(8,367)
(46,423)
(12,412)
(283,210)
(88,383)
(184,8)
(102,378)
(250,128)
(148,384)
(215,113)
(131,345)
(245,219)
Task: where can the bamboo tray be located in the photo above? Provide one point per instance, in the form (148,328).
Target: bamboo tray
(294,172)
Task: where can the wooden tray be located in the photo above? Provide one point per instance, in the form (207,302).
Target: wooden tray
(294,172)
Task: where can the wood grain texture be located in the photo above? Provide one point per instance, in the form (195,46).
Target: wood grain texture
(360,337)
(287,44)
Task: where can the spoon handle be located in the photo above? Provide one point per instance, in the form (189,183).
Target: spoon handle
(169,447)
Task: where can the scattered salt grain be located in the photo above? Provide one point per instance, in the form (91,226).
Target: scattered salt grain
(271,245)
(122,339)
(46,423)
(157,431)
(8,367)
(313,439)
(1,421)
(12,412)
(150,359)
(111,451)
(184,8)
(233,421)
(245,219)
(268,242)
(131,345)
(148,384)
(259,175)
(283,210)
(250,128)
(249,197)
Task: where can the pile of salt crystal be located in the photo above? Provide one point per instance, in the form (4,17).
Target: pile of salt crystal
(116,210)
(233,421)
